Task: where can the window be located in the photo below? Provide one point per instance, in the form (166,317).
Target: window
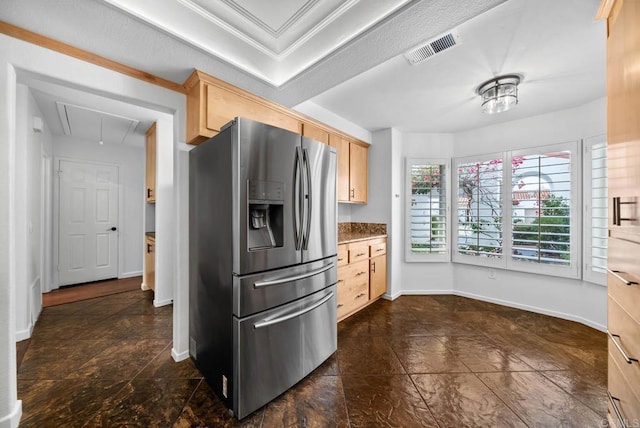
(538,233)
(596,210)
(479,196)
(541,207)
(427,211)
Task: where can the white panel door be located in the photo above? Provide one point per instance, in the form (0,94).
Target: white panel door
(88,222)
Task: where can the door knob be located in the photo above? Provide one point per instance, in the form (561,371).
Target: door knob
(113,229)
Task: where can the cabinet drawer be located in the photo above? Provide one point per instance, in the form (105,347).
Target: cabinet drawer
(627,401)
(343,255)
(624,282)
(354,271)
(377,249)
(359,251)
(352,294)
(626,333)
(621,324)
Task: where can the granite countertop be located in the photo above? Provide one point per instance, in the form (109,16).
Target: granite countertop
(345,238)
(354,232)
(151,234)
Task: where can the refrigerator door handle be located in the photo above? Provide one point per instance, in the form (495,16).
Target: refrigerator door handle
(309,199)
(268,322)
(260,284)
(297,198)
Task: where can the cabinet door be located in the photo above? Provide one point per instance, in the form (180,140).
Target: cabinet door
(150,171)
(150,264)
(342,146)
(224,105)
(623,86)
(315,133)
(358,173)
(377,276)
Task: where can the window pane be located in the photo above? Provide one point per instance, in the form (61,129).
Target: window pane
(480,208)
(541,208)
(428,209)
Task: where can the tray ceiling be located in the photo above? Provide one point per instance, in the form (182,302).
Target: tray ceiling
(274,41)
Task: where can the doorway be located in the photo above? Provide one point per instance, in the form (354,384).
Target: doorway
(87,226)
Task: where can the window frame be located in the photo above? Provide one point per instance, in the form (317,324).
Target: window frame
(588,274)
(410,256)
(506,262)
(493,262)
(573,270)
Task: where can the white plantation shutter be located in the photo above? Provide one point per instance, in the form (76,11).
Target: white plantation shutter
(541,208)
(518,210)
(427,211)
(479,207)
(596,210)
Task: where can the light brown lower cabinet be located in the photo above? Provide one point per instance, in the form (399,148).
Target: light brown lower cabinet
(377,276)
(150,263)
(362,275)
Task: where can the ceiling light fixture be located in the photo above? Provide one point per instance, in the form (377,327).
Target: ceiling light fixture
(101,142)
(499,94)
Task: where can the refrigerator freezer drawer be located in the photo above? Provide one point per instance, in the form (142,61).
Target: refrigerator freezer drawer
(277,348)
(259,292)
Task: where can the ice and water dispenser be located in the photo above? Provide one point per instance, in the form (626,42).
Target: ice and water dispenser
(265,223)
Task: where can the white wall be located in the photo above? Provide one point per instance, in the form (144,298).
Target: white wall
(571,299)
(10,406)
(131,163)
(28,198)
(421,278)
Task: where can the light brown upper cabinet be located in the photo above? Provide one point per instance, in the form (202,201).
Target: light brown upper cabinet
(358,161)
(315,133)
(342,146)
(352,169)
(150,169)
(212,103)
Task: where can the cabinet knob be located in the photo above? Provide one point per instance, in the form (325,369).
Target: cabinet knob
(340,305)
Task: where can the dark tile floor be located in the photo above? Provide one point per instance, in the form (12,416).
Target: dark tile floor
(439,361)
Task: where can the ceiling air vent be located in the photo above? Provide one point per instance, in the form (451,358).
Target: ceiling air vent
(432,47)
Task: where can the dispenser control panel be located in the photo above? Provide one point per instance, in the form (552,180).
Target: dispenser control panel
(266,190)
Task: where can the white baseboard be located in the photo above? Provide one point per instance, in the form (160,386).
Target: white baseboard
(508,303)
(24,334)
(157,303)
(124,275)
(12,420)
(536,309)
(179,356)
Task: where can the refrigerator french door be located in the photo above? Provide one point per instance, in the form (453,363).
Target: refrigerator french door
(263,244)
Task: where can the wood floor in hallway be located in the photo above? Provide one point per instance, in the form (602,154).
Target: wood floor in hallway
(419,361)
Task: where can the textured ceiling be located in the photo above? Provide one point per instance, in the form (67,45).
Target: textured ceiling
(556,45)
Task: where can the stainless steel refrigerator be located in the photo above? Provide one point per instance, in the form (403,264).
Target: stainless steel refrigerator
(262,251)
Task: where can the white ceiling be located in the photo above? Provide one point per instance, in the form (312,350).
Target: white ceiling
(556,46)
(345,56)
(274,41)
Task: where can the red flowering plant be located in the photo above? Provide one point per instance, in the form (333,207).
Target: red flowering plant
(480,202)
(424,178)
